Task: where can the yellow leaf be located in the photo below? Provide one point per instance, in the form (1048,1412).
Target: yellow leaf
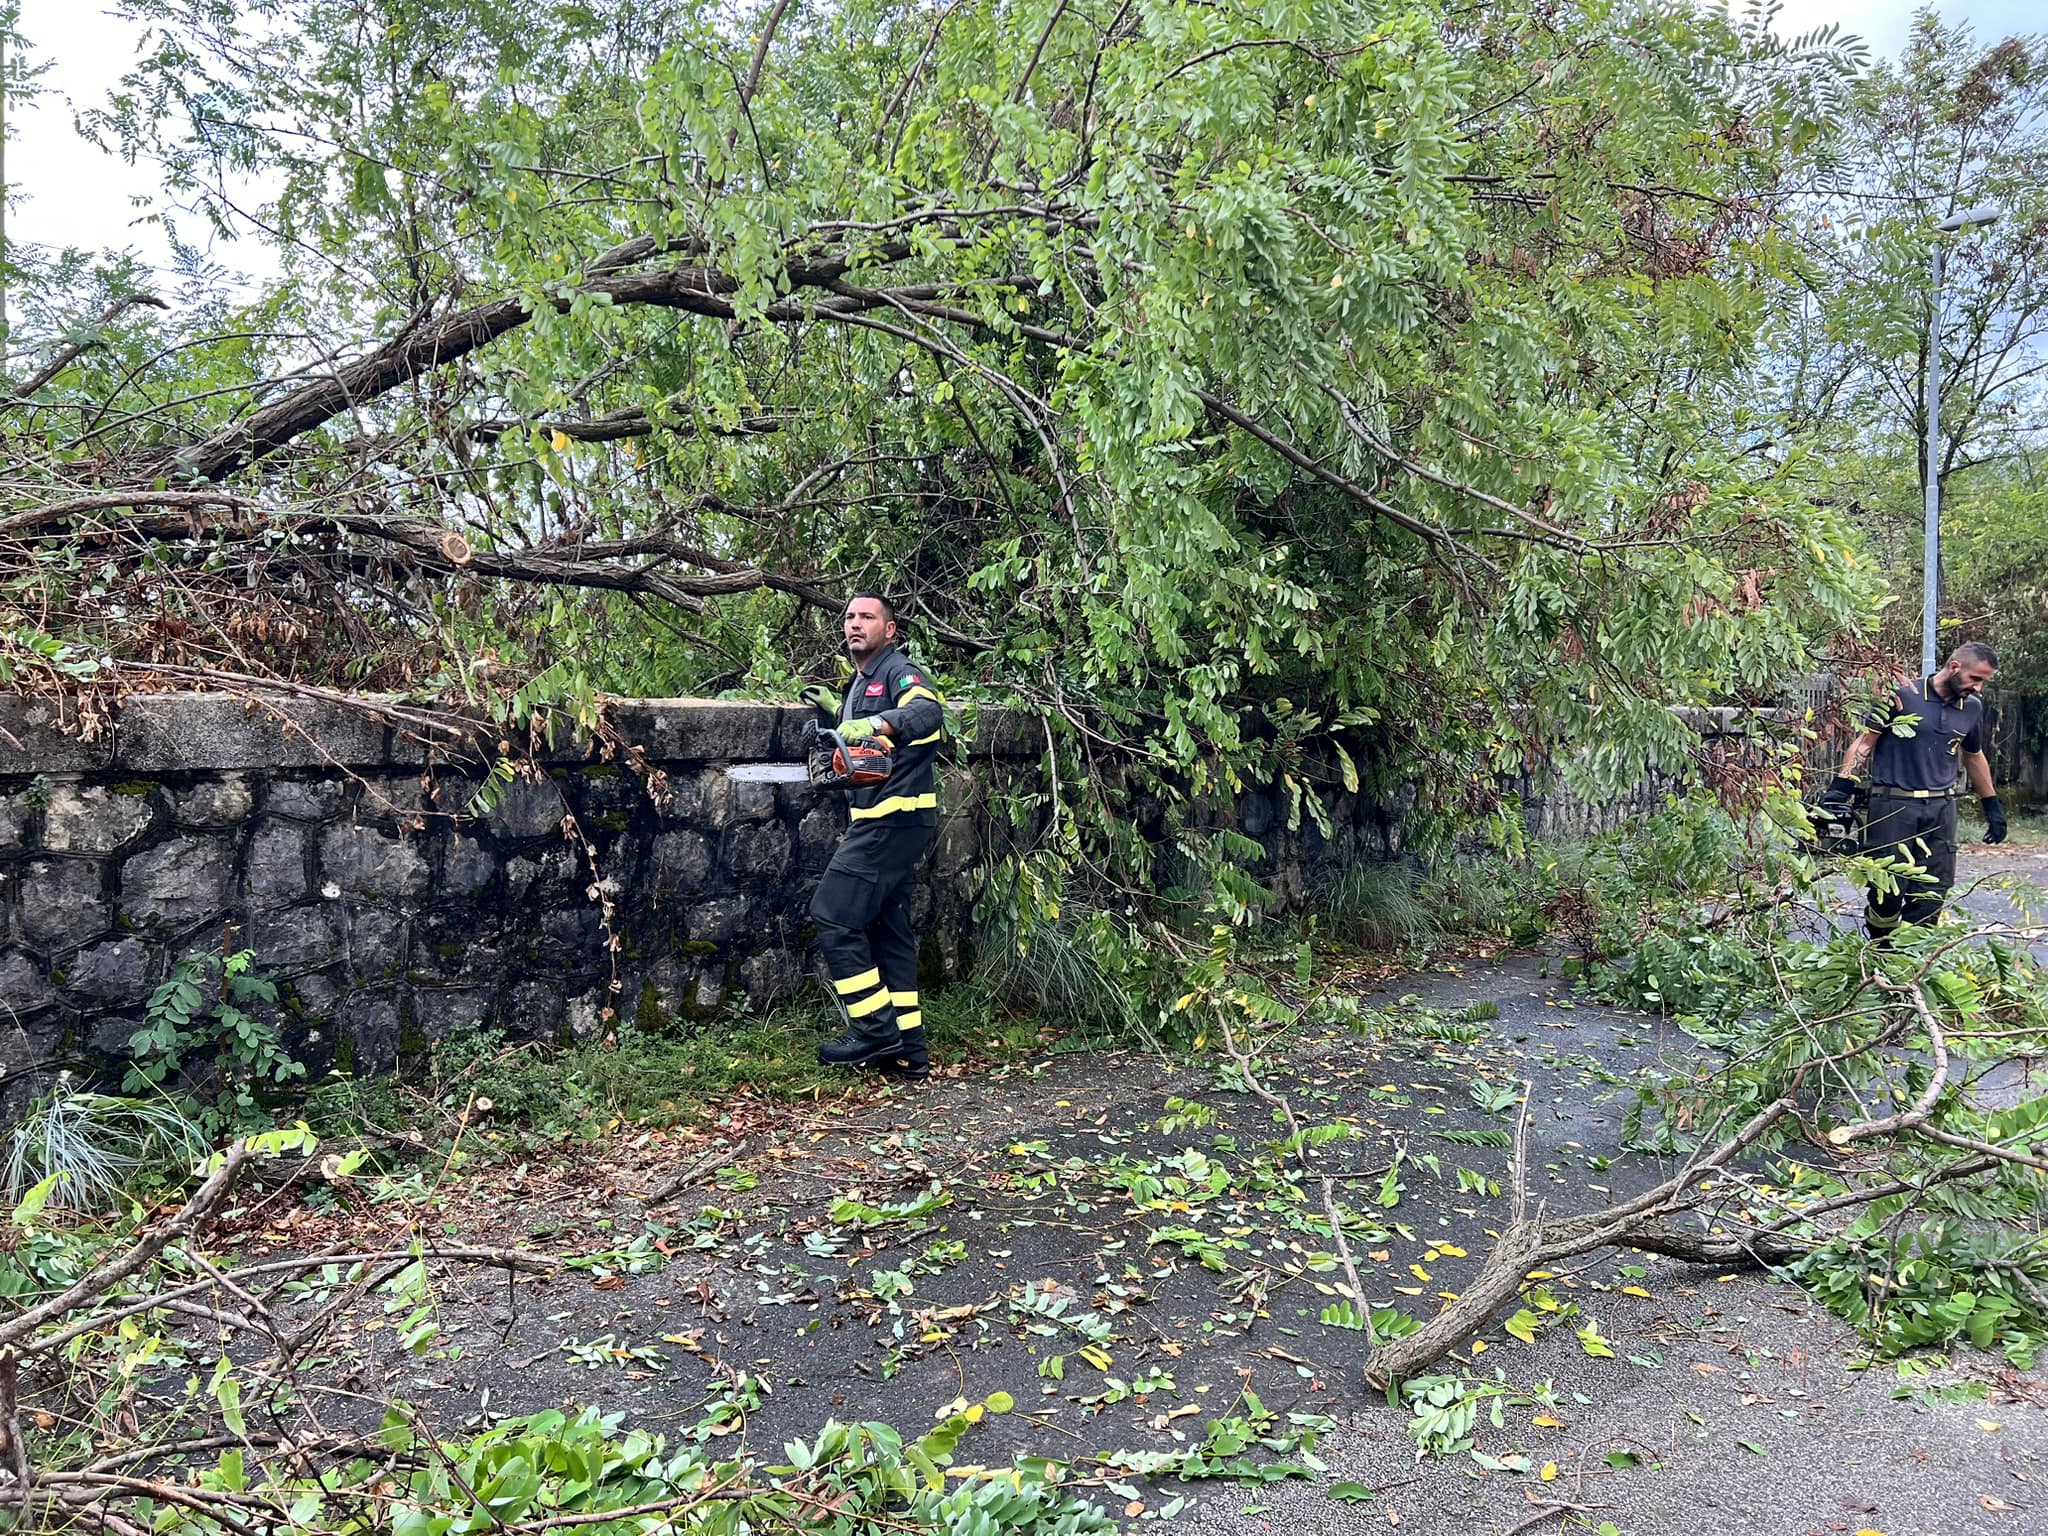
(1418,1271)
(1989,1426)
(1479,1346)
(1409,1290)
(1547,1421)
(1549,1472)
(559,442)
(1450,1250)
(1867,1531)
(1635,1290)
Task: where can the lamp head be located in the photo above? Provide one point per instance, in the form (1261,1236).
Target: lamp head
(1969,218)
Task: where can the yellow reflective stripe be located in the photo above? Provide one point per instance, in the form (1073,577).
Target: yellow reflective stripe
(871,977)
(925,741)
(867,1005)
(919,693)
(895,803)
(903,999)
(909,1021)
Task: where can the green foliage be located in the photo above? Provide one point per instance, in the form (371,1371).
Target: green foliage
(1055,960)
(203,1043)
(1379,907)
(1307,399)
(1445,1413)
(552,1465)
(1715,917)
(95,1147)
(665,1074)
(1955,122)
(1934,1286)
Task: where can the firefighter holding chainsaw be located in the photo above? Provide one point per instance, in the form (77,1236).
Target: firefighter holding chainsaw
(1913,744)
(862,904)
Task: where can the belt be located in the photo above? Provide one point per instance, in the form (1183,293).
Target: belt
(1913,794)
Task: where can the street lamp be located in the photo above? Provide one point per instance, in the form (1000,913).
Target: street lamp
(1971,218)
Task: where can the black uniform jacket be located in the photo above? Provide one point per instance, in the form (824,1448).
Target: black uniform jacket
(894,688)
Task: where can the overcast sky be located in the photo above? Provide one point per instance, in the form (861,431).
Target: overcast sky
(70,193)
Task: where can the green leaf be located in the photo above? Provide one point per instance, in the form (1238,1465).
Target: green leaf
(31,1204)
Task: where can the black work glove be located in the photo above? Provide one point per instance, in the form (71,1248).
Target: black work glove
(1840,799)
(1994,820)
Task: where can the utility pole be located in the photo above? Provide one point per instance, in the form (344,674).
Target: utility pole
(1931,561)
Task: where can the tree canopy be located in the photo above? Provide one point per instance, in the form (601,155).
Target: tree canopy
(1207,377)
(1956,124)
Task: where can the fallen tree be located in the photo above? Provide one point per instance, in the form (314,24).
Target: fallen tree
(1097,337)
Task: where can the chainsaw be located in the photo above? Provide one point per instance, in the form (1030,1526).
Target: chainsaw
(1836,829)
(831,762)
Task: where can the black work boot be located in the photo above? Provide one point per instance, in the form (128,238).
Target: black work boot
(868,1042)
(912,1062)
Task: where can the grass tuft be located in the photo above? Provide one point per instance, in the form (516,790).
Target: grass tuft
(1379,907)
(1057,973)
(98,1146)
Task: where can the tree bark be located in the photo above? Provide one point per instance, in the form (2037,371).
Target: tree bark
(695,288)
(1534,1241)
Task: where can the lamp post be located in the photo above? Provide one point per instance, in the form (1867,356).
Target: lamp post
(1971,218)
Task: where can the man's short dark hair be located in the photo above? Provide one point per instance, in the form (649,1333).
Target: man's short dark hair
(1974,651)
(888,608)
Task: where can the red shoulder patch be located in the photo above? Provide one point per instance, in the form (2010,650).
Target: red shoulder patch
(874,690)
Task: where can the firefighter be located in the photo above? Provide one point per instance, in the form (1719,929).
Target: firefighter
(862,904)
(1913,745)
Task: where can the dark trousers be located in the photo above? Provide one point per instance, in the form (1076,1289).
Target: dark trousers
(1922,832)
(862,909)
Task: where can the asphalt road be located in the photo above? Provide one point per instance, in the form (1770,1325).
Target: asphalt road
(1731,1403)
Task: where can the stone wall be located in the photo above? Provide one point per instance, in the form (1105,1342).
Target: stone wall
(334,846)
(665,877)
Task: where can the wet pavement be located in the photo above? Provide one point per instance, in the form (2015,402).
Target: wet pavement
(1119,1243)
